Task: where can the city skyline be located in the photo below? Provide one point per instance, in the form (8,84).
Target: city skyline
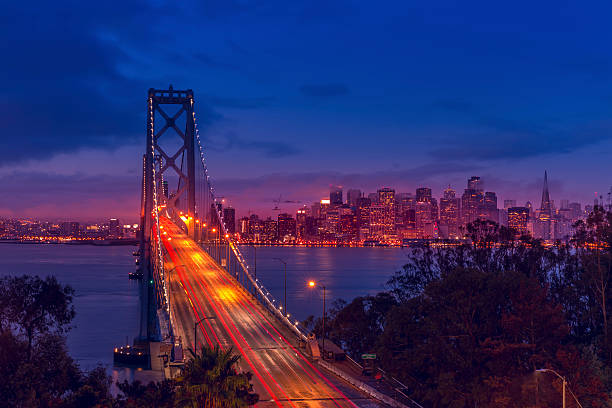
(402,97)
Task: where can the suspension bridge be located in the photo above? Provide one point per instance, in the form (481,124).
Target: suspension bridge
(197,288)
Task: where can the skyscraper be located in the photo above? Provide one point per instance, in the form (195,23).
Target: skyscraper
(363,216)
(543,227)
(449,214)
(286,227)
(478,204)
(114,228)
(423,194)
(385,211)
(474,183)
(352,196)
(229,219)
(518,219)
(490,207)
(335,195)
(509,203)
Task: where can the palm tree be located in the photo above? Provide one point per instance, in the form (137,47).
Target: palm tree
(210,380)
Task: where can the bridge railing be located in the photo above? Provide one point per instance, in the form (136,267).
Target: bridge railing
(228,255)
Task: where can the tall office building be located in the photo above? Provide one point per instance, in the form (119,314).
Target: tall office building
(490,207)
(114,228)
(575,211)
(269,230)
(363,216)
(300,223)
(474,183)
(346,230)
(471,202)
(386,202)
(286,227)
(544,223)
(450,207)
(386,196)
(423,195)
(478,204)
(509,203)
(518,219)
(352,196)
(335,195)
(229,219)
(424,221)
(243,227)
(70,229)
(373,198)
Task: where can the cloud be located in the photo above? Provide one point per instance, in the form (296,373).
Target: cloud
(491,137)
(270,149)
(508,140)
(68,86)
(323,91)
(75,196)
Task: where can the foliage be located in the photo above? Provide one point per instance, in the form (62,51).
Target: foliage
(468,326)
(36,370)
(210,379)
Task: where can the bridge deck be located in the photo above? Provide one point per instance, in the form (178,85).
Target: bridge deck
(282,375)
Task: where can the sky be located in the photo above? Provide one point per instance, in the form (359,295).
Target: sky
(293,97)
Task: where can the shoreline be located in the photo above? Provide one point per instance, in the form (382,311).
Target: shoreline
(121,242)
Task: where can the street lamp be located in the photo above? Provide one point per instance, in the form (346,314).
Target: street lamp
(195,332)
(167,276)
(312,284)
(548,370)
(285,302)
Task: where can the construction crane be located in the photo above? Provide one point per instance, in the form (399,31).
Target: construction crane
(280,200)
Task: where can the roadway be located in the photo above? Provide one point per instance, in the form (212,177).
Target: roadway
(283,375)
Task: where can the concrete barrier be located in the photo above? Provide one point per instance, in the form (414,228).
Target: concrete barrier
(361,385)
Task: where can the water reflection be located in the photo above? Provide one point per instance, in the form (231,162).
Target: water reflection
(346,273)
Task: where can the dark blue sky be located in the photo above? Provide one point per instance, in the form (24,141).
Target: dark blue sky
(295,96)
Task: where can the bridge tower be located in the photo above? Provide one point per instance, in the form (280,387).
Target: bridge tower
(157,161)
(158,99)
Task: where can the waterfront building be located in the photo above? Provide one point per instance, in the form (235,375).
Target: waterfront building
(114,228)
(286,227)
(270,230)
(256,228)
(300,223)
(243,226)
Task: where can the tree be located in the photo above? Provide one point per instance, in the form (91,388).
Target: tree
(33,307)
(210,380)
(155,394)
(357,325)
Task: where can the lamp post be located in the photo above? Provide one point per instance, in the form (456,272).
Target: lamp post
(227,254)
(255,262)
(548,370)
(195,332)
(312,284)
(167,276)
(285,301)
